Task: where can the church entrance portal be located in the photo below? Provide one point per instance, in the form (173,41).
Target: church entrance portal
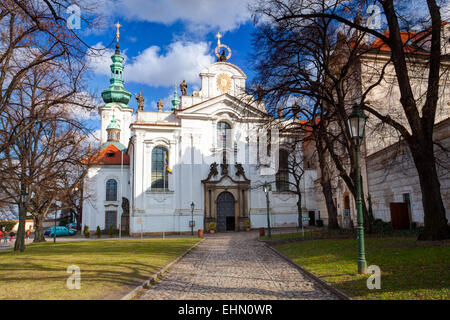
(225,212)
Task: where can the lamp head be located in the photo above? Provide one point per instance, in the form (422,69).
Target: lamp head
(357,123)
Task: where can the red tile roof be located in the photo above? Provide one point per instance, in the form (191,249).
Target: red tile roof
(413,42)
(110,155)
(408,40)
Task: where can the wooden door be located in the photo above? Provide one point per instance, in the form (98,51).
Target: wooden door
(399,215)
(225,210)
(312,218)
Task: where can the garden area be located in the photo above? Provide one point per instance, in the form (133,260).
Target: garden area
(410,269)
(109,269)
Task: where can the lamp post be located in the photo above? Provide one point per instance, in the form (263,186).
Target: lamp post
(267,187)
(192,217)
(356,123)
(23,216)
(54,233)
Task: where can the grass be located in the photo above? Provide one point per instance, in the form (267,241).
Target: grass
(109,269)
(288,236)
(410,269)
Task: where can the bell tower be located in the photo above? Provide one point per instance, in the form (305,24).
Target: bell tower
(116,99)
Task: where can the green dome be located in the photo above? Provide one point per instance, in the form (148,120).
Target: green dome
(113,124)
(116,93)
(175,100)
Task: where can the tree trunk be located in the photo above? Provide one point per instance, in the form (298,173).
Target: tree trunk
(20,236)
(19,245)
(299,210)
(326,185)
(331,208)
(39,231)
(436,224)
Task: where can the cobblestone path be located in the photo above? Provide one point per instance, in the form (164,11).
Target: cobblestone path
(234,266)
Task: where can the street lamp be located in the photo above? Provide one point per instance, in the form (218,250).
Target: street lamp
(192,215)
(22,216)
(356,123)
(267,187)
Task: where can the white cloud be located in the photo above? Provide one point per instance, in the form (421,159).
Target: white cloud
(197,15)
(180,61)
(84,113)
(94,138)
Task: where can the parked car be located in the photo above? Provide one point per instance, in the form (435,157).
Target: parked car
(72,225)
(60,232)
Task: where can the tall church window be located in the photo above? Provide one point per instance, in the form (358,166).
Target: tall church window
(282,177)
(223,135)
(111,190)
(160,177)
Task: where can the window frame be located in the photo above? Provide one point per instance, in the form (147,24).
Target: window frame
(159,177)
(108,190)
(282,176)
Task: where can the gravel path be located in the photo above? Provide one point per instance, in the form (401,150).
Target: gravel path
(234,266)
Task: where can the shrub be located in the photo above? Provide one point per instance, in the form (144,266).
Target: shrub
(86,231)
(379,226)
(212,226)
(64,221)
(99,231)
(111,231)
(247,223)
(8,225)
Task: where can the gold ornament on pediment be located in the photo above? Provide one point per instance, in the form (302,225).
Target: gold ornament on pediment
(223,82)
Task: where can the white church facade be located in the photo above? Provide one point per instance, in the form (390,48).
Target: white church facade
(165,169)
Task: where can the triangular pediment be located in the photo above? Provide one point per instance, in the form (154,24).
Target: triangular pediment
(225,103)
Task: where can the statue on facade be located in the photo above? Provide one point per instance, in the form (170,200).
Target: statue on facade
(160,105)
(224,169)
(183,88)
(140,100)
(239,170)
(213,170)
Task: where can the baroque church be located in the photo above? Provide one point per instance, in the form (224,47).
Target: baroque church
(188,168)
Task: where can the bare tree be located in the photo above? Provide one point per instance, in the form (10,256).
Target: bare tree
(48,143)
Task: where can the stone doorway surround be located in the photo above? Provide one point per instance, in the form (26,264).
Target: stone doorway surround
(215,184)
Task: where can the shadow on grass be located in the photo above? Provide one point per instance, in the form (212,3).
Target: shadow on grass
(113,266)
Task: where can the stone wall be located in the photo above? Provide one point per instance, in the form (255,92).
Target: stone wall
(391,174)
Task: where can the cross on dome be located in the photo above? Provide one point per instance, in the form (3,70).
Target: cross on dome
(118,25)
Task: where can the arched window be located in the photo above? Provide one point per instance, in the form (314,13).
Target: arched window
(160,177)
(282,177)
(111,190)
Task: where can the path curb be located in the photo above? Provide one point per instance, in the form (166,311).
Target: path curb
(322,283)
(158,274)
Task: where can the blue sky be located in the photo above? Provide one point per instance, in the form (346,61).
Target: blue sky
(166,42)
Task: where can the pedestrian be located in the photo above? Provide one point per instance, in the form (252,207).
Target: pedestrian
(11,235)
(1,235)
(5,237)
(28,234)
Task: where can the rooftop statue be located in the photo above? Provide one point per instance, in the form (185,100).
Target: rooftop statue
(183,88)
(160,105)
(140,100)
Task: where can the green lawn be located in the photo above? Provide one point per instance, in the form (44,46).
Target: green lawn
(109,269)
(410,269)
(289,236)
